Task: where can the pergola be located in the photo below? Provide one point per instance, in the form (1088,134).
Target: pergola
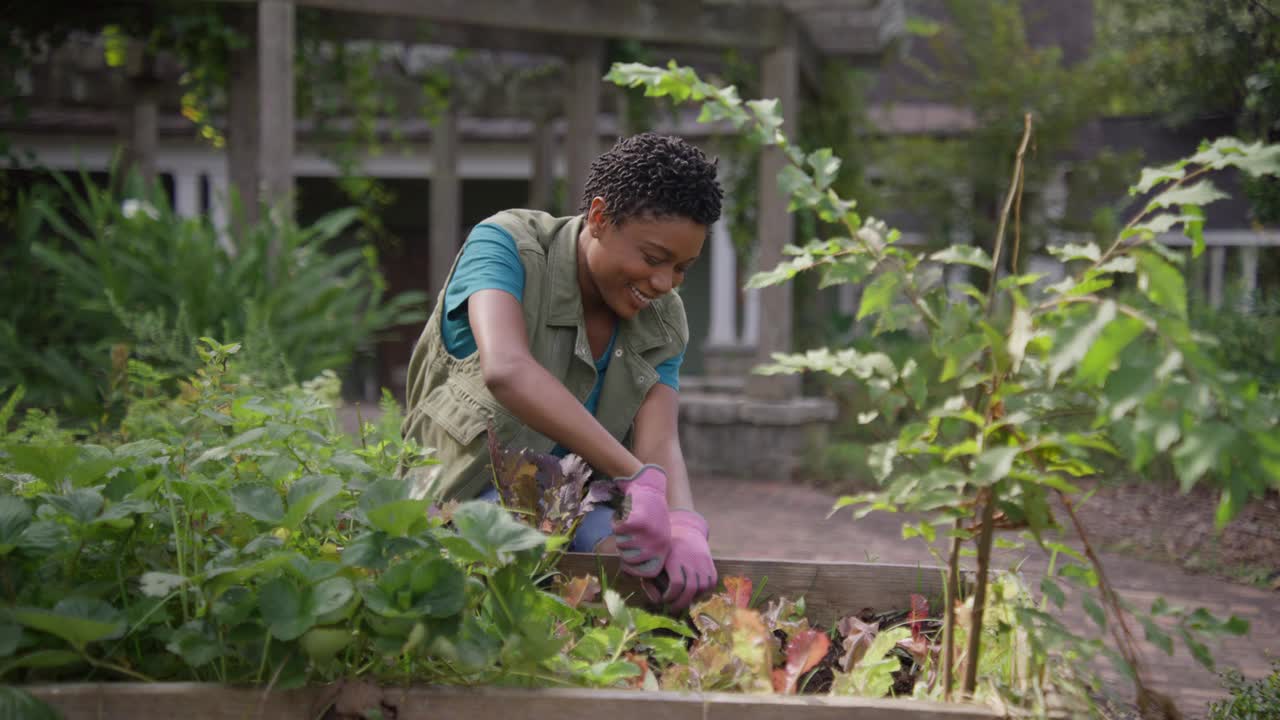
(787,37)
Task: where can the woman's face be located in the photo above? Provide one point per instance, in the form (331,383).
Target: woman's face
(637,262)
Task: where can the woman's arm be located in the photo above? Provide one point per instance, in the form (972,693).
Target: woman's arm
(657,441)
(534,395)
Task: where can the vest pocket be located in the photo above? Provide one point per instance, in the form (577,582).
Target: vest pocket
(457,412)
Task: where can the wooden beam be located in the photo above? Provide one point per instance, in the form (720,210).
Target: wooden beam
(582,109)
(201,701)
(275,102)
(681,22)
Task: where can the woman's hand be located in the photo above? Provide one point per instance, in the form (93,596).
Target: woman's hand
(689,568)
(641,524)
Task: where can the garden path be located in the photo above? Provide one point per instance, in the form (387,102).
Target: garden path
(786,520)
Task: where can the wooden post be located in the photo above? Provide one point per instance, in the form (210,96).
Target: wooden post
(1217,274)
(542,179)
(1248,276)
(582,110)
(780,78)
(141,134)
(275,103)
(144,131)
(239,201)
(446,200)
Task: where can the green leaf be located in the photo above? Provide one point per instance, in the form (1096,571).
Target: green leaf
(1200,449)
(1162,283)
(1095,611)
(1021,331)
(15,514)
(399,518)
(331,595)
(1101,357)
(618,612)
(1198,650)
(1202,193)
(159,584)
(10,638)
(284,609)
(826,166)
(47,463)
(1073,251)
(878,296)
(42,659)
(259,501)
(1156,636)
(83,504)
(1053,591)
(1072,341)
(79,621)
(1151,177)
(439,588)
(994,465)
(195,645)
(306,495)
(964,255)
(493,532)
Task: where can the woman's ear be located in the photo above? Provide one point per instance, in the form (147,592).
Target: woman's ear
(597,216)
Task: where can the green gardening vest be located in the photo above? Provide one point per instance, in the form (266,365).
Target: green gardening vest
(448,405)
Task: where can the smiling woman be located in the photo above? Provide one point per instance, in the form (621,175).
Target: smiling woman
(564,335)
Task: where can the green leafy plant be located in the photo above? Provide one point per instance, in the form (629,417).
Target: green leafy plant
(1033,381)
(1249,700)
(97,277)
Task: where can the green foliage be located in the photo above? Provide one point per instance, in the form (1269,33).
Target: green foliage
(97,279)
(1033,384)
(1249,700)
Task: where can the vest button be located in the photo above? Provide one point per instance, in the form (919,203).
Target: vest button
(617,353)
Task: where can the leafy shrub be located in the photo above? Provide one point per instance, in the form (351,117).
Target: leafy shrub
(1255,700)
(1247,341)
(94,279)
(984,442)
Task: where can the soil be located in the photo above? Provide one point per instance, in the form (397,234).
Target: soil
(1155,521)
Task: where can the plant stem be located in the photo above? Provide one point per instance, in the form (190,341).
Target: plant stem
(980,591)
(116,668)
(949,614)
(1120,628)
(1015,190)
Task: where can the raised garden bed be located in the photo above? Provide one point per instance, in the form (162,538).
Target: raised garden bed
(830,590)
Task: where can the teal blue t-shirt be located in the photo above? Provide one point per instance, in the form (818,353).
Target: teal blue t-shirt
(490,261)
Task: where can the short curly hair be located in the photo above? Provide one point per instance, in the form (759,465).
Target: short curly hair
(654,176)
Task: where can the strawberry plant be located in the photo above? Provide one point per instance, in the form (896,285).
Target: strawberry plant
(1023,386)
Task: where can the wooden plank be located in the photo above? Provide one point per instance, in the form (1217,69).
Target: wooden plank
(162,701)
(213,702)
(831,590)
(682,22)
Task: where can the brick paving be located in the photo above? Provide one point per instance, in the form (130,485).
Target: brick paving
(783,520)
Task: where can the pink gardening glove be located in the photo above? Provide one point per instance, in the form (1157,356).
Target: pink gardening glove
(689,569)
(640,524)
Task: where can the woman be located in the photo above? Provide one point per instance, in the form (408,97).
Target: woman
(566,335)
